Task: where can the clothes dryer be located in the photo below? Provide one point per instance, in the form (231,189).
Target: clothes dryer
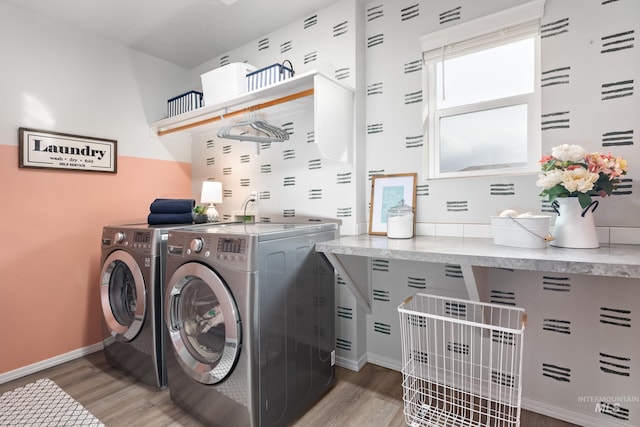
(131,291)
(249,310)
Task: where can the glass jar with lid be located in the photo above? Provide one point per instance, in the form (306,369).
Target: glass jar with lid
(400,221)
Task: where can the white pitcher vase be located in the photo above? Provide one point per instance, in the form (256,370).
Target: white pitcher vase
(574,226)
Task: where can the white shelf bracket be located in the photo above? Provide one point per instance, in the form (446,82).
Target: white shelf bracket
(471,276)
(362,293)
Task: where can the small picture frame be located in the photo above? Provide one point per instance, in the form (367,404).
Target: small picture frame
(388,191)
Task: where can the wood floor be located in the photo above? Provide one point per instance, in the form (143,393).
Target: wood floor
(371,397)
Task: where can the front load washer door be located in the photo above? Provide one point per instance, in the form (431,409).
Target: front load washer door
(123,294)
(203,322)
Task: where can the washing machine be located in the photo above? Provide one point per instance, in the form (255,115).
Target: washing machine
(131,292)
(249,310)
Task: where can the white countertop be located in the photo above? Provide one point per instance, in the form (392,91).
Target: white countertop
(608,260)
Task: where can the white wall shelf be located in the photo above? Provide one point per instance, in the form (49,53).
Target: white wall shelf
(333,105)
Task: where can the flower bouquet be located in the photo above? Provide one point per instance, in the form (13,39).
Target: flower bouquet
(572,172)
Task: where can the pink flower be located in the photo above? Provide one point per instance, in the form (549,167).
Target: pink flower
(545,159)
(572,172)
(606,164)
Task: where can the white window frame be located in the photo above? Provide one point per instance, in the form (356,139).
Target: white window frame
(499,28)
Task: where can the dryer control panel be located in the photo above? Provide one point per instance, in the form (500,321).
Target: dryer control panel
(231,250)
(232,245)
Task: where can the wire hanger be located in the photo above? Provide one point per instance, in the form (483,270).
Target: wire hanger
(253,129)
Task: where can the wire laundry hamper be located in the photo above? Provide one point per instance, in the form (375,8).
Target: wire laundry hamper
(461,362)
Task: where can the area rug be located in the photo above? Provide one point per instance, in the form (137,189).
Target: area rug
(43,403)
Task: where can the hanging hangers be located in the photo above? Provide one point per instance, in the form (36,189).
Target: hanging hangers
(253,129)
(268,129)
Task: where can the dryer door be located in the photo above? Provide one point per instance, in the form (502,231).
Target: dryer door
(203,323)
(123,294)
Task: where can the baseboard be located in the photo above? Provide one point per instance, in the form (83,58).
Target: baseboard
(385,362)
(569,416)
(353,365)
(49,363)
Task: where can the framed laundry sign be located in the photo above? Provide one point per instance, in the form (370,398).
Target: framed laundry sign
(388,191)
(54,150)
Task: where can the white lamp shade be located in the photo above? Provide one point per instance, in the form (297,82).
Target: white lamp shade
(211,192)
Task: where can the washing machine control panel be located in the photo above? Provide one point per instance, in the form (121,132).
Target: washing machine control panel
(140,241)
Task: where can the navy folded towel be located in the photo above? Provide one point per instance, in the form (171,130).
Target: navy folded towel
(172,206)
(169,218)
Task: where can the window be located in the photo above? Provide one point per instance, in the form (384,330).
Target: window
(483,97)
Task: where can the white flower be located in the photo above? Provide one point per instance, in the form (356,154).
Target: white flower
(549,179)
(579,180)
(571,153)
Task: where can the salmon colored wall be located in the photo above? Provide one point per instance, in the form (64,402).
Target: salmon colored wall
(50,229)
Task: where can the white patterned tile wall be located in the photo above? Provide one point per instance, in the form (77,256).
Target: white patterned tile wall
(591,70)
(590,66)
(580,350)
(351,350)
(292,178)
(392,282)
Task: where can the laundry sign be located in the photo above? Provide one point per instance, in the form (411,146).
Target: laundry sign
(42,149)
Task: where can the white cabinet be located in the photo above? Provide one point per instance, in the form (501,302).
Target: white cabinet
(333,106)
